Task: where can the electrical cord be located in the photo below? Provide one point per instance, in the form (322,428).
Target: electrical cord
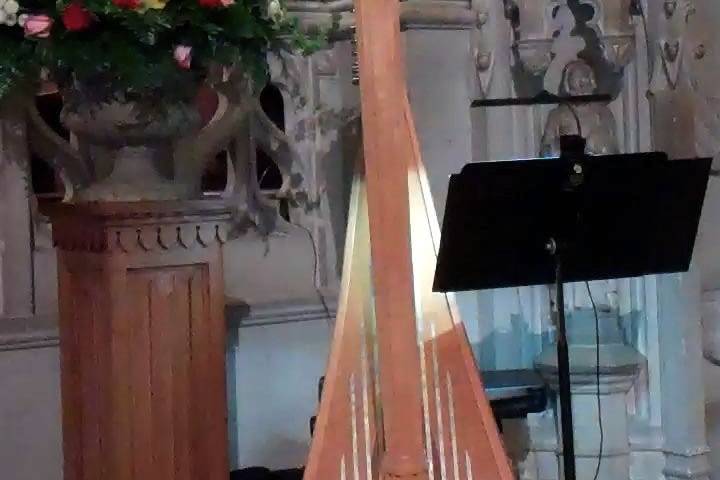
(576,116)
(316,268)
(597,378)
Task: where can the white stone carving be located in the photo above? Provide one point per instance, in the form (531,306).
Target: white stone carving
(565,47)
(673,27)
(546,36)
(316,116)
(483,53)
(596,120)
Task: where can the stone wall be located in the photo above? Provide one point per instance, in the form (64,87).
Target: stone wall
(29,360)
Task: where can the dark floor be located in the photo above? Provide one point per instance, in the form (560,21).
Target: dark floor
(258,473)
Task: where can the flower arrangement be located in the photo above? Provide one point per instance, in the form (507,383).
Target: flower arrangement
(140,48)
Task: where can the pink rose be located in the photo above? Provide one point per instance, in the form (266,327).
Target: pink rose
(38,26)
(183,56)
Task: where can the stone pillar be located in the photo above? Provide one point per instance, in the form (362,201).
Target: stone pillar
(15,231)
(675,106)
(683,389)
(2,296)
(711,326)
(619,366)
(142,340)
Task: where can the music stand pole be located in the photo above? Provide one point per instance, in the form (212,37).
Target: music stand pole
(563,358)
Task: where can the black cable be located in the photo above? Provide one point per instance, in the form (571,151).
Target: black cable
(597,378)
(316,261)
(576,116)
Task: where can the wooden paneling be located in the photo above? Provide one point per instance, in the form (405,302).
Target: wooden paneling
(142,343)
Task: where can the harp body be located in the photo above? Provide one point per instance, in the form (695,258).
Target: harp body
(402,398)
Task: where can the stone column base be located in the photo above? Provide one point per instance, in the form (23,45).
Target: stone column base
(619,366)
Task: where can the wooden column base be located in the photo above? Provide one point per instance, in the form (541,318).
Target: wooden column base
(142,340)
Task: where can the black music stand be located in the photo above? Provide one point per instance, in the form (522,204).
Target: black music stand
(574,218)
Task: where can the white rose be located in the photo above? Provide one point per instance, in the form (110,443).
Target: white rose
(274,10)
(11,7)
(11,20)
(3,16)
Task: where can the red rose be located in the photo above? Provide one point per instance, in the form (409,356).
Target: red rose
(211,3)
(128,4)
(75,17)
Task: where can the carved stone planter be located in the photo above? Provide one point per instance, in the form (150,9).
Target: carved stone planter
(131,148)
(142,339)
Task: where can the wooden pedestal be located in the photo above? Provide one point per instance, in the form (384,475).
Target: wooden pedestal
(142,339)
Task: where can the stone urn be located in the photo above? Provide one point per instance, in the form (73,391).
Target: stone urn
(139,150)
(129,148)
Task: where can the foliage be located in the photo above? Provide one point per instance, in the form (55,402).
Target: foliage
(141,48)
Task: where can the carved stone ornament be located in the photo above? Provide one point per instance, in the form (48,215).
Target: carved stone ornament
(670,54)
(595,119)
(669,7)
(483,39)
(566,46)
(484,64)
(546,32)
(619,50)
(672,40)
(535,55)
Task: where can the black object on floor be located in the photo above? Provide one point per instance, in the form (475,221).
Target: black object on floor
(254,473)
(292,474)
(261,473)
(514,393)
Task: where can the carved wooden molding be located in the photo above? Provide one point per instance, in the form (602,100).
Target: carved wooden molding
(147,226)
